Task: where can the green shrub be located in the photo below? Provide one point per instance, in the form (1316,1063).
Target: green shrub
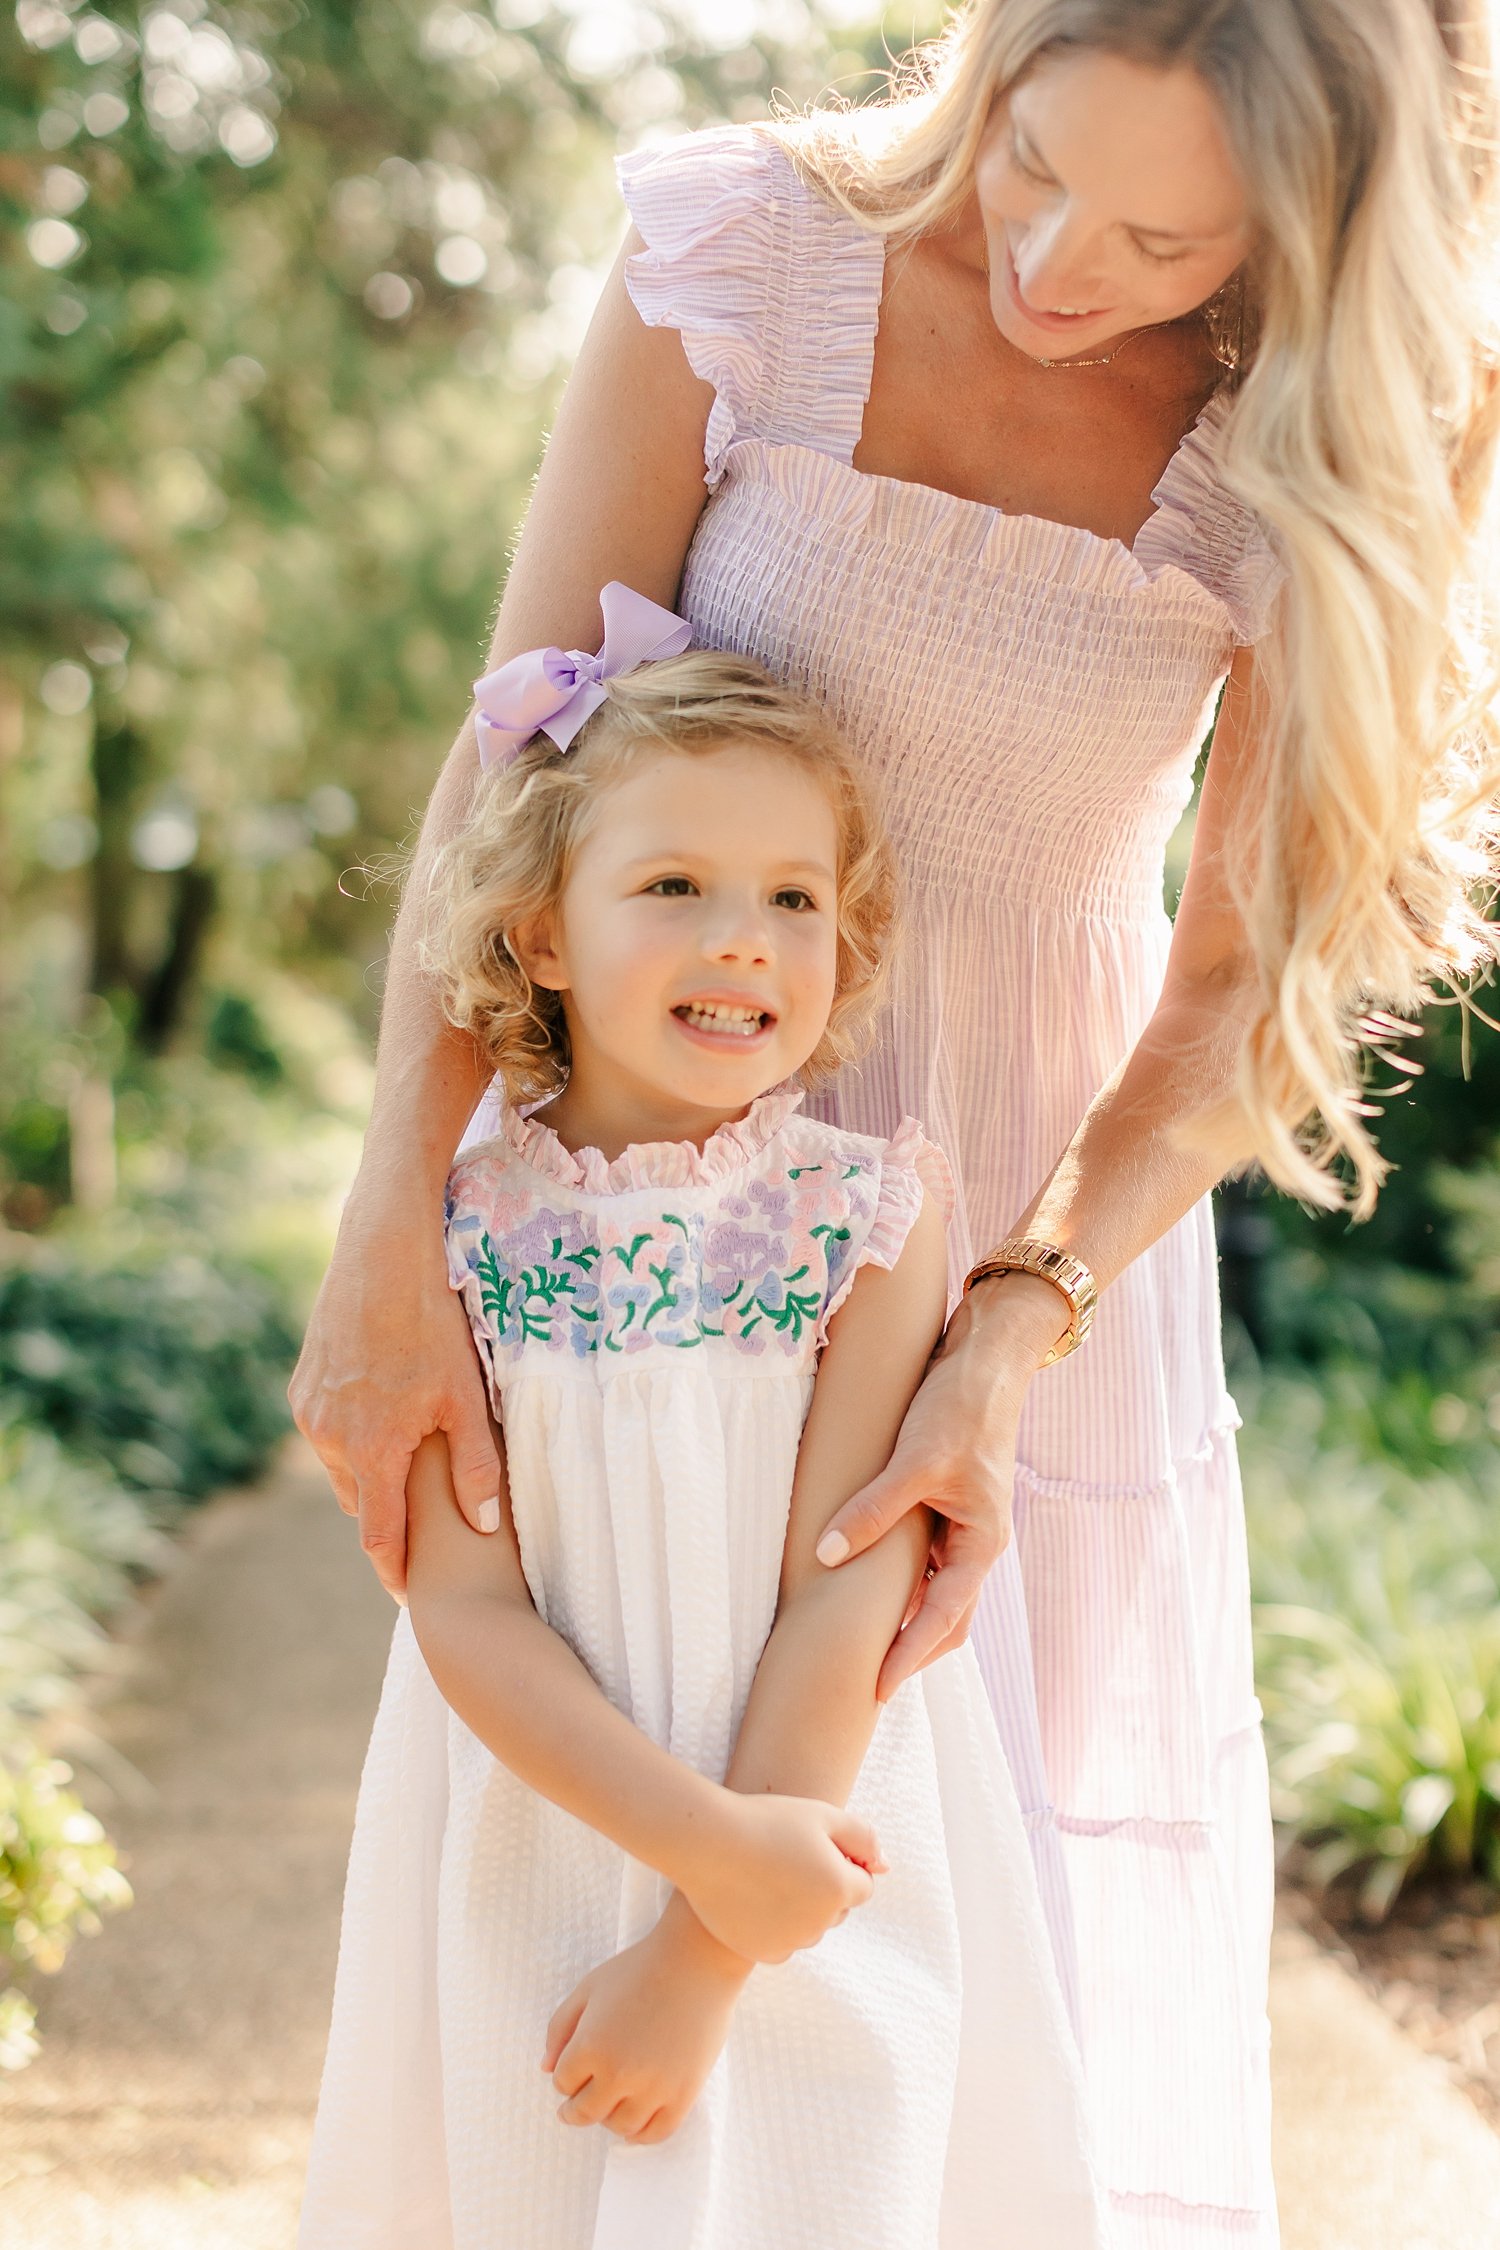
(72,1541)
(171,1370)
(57,1876)
(1377,1640)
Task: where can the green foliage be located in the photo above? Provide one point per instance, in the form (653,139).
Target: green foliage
(1377,1630)
(58,1874)
(173,1372)
(72,1541)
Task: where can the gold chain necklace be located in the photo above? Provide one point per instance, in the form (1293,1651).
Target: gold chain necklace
(1103,361)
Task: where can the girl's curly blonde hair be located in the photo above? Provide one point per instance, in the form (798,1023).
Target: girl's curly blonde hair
(511,861)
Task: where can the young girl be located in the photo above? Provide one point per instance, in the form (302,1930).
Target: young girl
(601,1876)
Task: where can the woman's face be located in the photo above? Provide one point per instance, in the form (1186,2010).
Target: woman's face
(1110,201)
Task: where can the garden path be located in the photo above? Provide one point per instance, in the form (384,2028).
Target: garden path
(171,2107)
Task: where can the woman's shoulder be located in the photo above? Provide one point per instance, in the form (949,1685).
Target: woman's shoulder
(1201,526)
(774,288)
(715,177)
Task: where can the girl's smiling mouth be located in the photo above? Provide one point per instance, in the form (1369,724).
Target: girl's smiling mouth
(720,1023)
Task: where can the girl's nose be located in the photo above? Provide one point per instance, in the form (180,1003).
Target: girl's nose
(738,932)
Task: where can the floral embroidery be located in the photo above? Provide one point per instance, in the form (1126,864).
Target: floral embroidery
(613,1275)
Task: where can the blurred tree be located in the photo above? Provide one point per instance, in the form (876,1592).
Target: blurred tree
(285,293)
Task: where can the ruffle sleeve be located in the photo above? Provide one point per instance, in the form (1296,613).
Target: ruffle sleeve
(1201,528)
(776,292)
(910,1166)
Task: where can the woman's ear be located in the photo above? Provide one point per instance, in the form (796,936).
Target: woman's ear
(533,944)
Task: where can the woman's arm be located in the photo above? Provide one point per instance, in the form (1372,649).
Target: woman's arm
(1127,1176)
(763,1877)
(387,1356)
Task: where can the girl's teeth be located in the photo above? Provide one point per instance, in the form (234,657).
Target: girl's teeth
(709,1015)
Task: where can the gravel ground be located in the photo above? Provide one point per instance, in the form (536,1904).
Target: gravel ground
(1434,1967)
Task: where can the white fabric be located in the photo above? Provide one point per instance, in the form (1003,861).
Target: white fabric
(649,1331)
(1031,698)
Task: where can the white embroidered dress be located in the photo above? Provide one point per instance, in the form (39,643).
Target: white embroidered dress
(1031,698)
(649,1331)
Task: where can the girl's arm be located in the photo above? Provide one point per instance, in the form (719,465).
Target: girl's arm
(387,1356)
(814,1702)
(763,1877)
(1127,1176)
(633,2043)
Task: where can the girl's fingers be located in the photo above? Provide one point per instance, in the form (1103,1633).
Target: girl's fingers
(560,2030)
(870,1513)
(628,2116)
(659,2126)
(858,1842)
(573,2068)
(859,1888)
(587,2106)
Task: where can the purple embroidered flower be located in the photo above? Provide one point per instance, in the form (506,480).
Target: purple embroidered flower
(732,1250)
(775,1202)
(543,1238)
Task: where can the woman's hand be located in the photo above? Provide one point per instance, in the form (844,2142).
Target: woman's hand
(388,1359)
(778,1872)
(956,1454)
(631,2046)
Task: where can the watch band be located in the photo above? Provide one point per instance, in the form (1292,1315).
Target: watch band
(1067,1274)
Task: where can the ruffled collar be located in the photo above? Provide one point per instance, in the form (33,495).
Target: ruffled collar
(672,1164)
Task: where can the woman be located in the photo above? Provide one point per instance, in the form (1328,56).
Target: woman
(1138,344)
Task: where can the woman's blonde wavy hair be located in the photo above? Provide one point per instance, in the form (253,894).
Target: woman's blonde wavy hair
(511,861)
(1363,433)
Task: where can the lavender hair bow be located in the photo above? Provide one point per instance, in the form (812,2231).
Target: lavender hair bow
(552,691)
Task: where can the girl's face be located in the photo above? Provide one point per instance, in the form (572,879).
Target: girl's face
(1110,202)
(695,943)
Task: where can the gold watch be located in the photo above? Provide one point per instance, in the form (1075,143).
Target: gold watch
(1069,1276)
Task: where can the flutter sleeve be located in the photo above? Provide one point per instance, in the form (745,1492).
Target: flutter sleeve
(707,209)
(473,1272)
(907,1167)
(1201,528)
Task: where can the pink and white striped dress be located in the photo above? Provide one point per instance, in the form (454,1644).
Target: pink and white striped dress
(1032,697)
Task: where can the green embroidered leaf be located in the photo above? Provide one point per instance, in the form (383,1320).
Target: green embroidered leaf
(628,1257)
(494,1286)
(795,1171)
(667,1300)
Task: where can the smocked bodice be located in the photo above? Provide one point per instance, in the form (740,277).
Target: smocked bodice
(1032,695)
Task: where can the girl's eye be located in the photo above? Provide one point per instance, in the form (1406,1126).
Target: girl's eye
(1156,257)
(798,900)
(672,886)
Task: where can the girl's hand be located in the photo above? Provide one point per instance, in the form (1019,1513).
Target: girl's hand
(387,1359)
(631,2046)
(780,1872)
(956,1455)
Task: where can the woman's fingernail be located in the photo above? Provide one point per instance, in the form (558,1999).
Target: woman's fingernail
(831,1548)
(489,1515)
